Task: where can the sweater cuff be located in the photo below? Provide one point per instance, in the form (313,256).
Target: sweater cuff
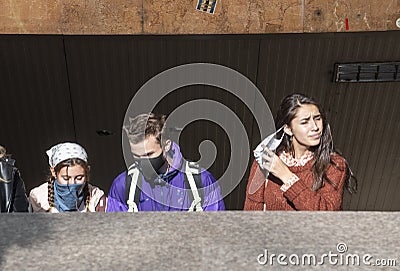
(291,181)
(295,190)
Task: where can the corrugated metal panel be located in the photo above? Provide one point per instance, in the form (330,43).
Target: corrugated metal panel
(101,87)
(36,106)
(102,73)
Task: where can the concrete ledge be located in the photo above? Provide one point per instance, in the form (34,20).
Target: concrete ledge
(198,241)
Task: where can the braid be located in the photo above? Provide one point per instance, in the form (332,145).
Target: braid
(86,196)
(50,191)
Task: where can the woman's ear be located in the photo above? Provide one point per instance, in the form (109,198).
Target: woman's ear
(287,130)
(53,173)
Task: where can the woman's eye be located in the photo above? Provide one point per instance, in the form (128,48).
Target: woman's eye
(66,178)
(79,178)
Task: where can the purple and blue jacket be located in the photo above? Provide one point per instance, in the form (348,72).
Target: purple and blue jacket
(170,194)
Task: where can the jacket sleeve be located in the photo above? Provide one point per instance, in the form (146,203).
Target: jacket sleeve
(116,196)
(213,200)
(327,198)
(38,198)
(20,203)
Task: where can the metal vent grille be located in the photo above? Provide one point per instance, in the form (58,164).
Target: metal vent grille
(367,72)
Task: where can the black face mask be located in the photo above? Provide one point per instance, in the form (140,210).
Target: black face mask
(151,167)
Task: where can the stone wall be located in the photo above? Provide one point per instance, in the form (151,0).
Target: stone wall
(181,17)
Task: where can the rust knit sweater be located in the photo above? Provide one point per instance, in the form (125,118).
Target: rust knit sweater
(300,195)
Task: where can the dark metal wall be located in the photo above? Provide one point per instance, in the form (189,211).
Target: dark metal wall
(58,88)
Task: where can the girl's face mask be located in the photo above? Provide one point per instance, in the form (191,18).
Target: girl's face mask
(68,197)
(269,142)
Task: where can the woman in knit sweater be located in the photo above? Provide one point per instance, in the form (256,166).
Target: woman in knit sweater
(305,173)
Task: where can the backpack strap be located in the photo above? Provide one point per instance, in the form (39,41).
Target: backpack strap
(193,177)
(131,187)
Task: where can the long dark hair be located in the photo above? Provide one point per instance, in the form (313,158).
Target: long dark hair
(322,152)
(69,163)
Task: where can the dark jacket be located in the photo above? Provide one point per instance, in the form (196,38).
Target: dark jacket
(12,188)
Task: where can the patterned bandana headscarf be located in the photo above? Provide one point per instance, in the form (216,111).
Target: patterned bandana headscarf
(64,151)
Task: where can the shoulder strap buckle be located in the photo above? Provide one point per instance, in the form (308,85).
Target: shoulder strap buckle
(189,171)
(133,174)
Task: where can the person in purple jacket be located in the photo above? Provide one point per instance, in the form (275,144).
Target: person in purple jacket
(160,179)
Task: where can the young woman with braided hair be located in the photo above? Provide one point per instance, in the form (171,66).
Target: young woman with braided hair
(68,188)
(306,172)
